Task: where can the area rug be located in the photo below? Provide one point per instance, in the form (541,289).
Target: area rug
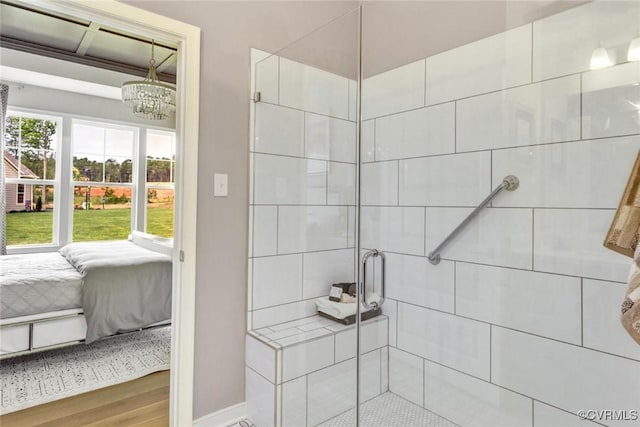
(39,378)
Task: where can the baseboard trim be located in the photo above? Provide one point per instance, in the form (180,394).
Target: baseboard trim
(224,417)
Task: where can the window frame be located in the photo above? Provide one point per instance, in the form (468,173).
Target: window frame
(19,193)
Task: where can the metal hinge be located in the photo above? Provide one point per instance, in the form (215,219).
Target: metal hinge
(256,97)
(181,256)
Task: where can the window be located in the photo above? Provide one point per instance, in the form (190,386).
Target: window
(103,171)
(30,162)
(20,194)
(160,168)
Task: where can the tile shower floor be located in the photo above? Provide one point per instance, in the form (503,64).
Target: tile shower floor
(389,410)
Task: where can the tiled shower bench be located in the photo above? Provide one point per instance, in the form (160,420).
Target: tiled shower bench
(303,372)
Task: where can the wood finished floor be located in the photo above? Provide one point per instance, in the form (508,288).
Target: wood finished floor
(142,403)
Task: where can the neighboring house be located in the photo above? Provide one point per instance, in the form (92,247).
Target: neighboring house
(19,196)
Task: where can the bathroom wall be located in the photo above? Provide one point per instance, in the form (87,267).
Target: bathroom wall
(518,325)
(302,212)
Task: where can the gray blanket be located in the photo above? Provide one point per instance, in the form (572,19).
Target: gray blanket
(125,286)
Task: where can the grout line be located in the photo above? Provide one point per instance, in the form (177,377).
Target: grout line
(308,111)
(291,156)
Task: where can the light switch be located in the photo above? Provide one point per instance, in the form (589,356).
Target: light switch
(220,185)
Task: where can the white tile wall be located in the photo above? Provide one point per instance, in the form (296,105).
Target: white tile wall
(393,229)
(266,76)
(422,132)
(311,228)
(572,173)
(497,62)
(564,375)
(367,147)
(287,180)
(539,113)
(379,183)
(341,184)
(563,43)
(548,416)
(260,395)
(468,401)
(543,304)
(265,230)
(370,382)
(322,269)
(569,241)
(396,90)
(294,403)
(496,236)
(415,280)
(390,309)
(261,358)
(314,90)
(602,328)
(276,280)
(373,335)
(327,138)
(283,313)
(452,180)
(406,375)
(279,130)
(331,392)
(611,101)
(353,100)
(306,357)
(460,343)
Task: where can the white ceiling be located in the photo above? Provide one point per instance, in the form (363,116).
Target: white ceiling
(40,32)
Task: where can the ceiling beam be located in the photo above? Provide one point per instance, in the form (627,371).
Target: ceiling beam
(87,39)
(51,52)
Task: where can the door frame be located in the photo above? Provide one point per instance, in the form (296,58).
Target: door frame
(118,15)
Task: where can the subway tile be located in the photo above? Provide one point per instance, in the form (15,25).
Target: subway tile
(261,358)
(331,391)
(303,337)
(311,228)
(260,395)
(569,241)
(543,112)
(266,69)
(563,43)
(393,229)
(265,226)
(283,273)
(353,100)
(548,416)
(327,138)
(351,226)
(602,328)
(370,370)
(462,344)
(314,90)
(495,236)
(390,309)
(279,130)
(322,269)
(563,375)
(393,91)
(287,180)
(469,401)
(341,184)
(373,335)
(540,303)
(379,183)
(452,180)
(306,357)
(497,62)
(567,175)
(384,369)
(294,403)
(406,375)
(282,313)
(611,101)
(415,280)
(321,322)
(424,132)
(295,323)
(367,141)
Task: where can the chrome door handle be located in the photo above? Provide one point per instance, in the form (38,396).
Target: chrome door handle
(363,286)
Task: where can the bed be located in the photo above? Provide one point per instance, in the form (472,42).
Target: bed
(85,291)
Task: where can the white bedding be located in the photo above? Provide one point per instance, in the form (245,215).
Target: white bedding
(37,283)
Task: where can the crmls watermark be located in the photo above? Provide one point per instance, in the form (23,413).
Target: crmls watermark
(608,414)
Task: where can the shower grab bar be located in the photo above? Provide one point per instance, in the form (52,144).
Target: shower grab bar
(509,183)
(363,286)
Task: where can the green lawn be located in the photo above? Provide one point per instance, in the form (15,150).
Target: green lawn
(36,227)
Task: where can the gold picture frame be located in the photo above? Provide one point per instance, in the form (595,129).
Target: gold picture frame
(624,233)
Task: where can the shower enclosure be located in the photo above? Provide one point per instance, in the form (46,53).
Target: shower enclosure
(373,138)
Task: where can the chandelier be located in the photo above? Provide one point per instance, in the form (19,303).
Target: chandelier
(149,98)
